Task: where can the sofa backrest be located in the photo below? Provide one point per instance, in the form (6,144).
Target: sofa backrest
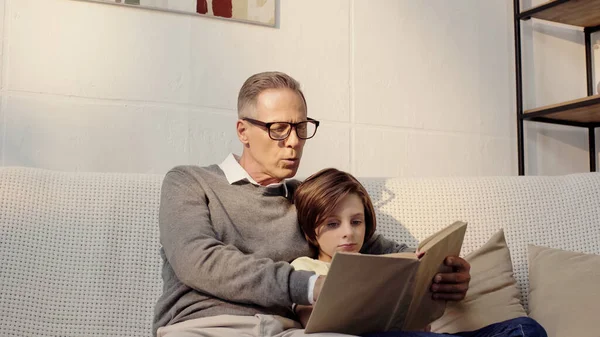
(79,252)
(560,212)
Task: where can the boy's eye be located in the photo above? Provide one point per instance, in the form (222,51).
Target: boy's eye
(332,225)
(357,222)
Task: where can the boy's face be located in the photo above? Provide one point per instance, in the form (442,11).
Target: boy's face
(343,230)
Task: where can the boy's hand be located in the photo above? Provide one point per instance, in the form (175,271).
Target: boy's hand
(452,286)
(303,313)
(318,286)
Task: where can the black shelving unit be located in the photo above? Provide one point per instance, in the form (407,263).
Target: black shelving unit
(583,112)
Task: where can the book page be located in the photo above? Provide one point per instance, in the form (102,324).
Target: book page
(403,255)
(440,235)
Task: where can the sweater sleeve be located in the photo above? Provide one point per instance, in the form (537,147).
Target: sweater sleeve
(378,244)
(206,264)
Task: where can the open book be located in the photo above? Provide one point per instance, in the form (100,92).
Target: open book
(373,293)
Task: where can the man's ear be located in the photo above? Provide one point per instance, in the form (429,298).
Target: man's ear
(242,132)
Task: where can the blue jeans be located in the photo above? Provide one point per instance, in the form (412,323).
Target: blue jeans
(517,327)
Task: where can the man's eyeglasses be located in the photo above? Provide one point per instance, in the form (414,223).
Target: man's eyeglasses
(282,130)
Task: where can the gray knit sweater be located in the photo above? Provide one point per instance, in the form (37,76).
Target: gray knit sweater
(226,247)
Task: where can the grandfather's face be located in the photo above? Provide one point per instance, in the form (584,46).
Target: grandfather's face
(276,159)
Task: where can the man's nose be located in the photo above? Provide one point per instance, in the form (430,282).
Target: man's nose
(292,140)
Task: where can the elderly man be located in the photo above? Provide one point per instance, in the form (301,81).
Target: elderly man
(228,231)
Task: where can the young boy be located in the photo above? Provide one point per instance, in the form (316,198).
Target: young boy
(336,215)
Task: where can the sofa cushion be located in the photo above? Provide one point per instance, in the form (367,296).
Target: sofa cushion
(493,295)
(564,296)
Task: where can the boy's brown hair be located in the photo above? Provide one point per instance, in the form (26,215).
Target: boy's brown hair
(317,197)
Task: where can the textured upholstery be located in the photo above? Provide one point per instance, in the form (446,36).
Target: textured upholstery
(560,212)
(79,251)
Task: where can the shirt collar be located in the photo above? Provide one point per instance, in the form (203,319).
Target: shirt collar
(234,172)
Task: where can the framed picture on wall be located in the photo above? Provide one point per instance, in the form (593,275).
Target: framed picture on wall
(261,12)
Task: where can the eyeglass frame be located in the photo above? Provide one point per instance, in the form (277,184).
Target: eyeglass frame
(292,126)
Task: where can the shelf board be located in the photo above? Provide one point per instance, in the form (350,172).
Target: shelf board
(584,111)
(582,13)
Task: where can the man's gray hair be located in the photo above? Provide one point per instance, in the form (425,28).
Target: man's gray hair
(260,82)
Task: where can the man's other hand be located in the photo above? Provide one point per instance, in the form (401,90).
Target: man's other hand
(452,286)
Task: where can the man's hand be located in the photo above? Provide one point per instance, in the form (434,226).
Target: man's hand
(318,286)
(452,286)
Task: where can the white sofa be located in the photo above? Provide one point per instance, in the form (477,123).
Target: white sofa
(79,251)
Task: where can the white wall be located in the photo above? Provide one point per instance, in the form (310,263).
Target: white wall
(402,87)
(554,72)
